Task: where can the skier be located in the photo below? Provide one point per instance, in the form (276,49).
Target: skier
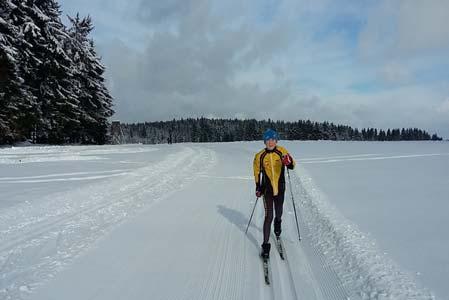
(270,163)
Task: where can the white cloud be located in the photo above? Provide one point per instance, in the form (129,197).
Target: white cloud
(422,26)
(282,60)
(395,73)
(444,107)
(405,28)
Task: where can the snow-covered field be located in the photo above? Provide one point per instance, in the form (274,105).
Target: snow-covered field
(392,194)
(168,221)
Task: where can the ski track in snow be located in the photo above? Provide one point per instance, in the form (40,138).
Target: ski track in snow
(41,159)
(229,177)
(344,252)
(303,274)
(223,282)
(356,158)
(333,260)
(23,155)
(337,157)
(65,179)
(86,150)
(62,174)
(38,241)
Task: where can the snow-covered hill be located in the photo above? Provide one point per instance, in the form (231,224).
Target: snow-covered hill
(168,221)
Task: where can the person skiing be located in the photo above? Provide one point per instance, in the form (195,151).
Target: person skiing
(269,165)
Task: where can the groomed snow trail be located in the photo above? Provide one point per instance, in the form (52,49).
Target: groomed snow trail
(192,244)
(38,239)
(169,224)
(338,249)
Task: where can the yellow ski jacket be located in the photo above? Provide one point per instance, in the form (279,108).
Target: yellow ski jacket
(269,164)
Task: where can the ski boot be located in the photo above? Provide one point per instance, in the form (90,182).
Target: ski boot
(277,227)
(265,251)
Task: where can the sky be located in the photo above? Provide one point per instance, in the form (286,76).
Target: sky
(362,63)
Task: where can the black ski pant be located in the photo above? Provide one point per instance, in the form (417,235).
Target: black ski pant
(277,202)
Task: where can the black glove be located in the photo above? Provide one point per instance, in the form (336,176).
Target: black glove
(258,190)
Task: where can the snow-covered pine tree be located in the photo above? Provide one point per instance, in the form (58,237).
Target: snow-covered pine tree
(48,71)
(95,99)
(8,71)
(15,98)
(59,87)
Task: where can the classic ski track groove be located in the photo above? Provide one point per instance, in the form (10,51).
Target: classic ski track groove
(39,229)
(19,241)
(222,283)
(292,281)
(329,284)
(285,265)
(268,292)
(7,218)
(325,282)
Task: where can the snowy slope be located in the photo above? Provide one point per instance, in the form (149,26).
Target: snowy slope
(167,222)
(396,194)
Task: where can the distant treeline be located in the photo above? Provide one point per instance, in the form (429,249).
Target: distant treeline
(229,130)
(52,87)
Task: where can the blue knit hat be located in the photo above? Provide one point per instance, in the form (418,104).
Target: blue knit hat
(270,134)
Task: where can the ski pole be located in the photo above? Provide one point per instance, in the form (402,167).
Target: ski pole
(293,201)
(250,218)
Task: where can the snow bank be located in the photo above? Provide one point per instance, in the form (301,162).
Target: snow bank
(356,259)
(39,159)
(21,155)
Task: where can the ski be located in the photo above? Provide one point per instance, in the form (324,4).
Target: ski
(265,263)
(280,247)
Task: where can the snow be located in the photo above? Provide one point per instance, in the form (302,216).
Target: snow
(393,195)
(23,155)
(168,222)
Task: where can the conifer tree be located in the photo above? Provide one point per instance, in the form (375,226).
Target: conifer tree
(95,100)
